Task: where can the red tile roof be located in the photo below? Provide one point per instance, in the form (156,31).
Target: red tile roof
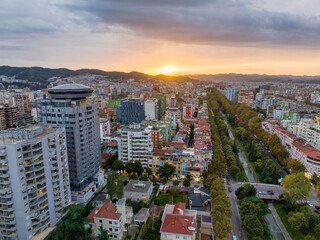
(178,224)
(307,149)
(179,205)
(107,210)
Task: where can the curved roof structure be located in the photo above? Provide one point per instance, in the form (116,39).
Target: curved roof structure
(70,91)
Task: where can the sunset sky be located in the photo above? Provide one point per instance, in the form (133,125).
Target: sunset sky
(189,36)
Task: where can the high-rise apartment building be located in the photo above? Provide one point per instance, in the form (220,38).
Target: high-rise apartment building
(246,96)
(34,180)
(132,111)
(232,94)
(9,116)
(156,138)
(135,144)
(21,101)
(151,108)
(188,111)
(175,115)
(68,107)
(309,130)
(162,104)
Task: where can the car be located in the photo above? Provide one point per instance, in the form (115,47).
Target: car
(230,189)
(317,207)
(228,182)
(263,193)
(270,192)
(227,196)
(310,203)
(316,211)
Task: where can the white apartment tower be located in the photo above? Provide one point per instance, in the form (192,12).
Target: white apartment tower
(151,109)
(135,144)
(175,115)
(34,180)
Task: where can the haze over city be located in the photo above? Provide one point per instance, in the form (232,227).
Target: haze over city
(192,37)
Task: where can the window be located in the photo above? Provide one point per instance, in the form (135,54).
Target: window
(177,237)
(100,221)
(110,222)
(184,238)
(165,235)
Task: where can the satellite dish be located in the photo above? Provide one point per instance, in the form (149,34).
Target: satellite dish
(192,228)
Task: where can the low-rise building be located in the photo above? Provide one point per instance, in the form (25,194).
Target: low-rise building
(138,190)
(110,216)
(178,223)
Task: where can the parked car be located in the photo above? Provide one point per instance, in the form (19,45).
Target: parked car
(270,192)
(228,182)
(230,189)
(316,211)
(317,207)
(310,203)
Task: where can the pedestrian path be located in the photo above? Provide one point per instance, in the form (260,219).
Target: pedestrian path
(279,222)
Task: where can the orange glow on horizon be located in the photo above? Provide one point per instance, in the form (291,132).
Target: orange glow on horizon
(168,70)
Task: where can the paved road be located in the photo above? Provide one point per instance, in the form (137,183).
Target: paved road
(236,224)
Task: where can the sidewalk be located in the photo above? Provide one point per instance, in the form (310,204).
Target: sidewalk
(279,222)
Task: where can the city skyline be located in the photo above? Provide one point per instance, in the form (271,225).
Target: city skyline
(171,37)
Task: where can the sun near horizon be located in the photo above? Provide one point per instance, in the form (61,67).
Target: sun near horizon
(168,70)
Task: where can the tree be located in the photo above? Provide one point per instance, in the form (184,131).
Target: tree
(186,182)
(127,225)
(164,180)
(250,208)
(258,201)
(111,185)
(295,166)
(298,221)
(217,188)
(133,176)
(120,187)
(117,165)
(104,234)
(246,190)
(154,180)
(72,226)
(167,170)
(129,167)
(315,179)
(137,167)
(148,172)
(252,225)
(143,178)
(177,127)
(296,186)
(175,183)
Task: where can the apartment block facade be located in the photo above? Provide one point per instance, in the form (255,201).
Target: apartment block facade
(135,144)
(68,107)
(34,180)
(132,111)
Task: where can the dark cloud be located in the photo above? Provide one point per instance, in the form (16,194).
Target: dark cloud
(203,22)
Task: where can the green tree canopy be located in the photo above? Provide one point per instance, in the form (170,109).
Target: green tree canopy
(296,186)
(111,184)
(246,190)
(167,170)
(186,182)
(298,221)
